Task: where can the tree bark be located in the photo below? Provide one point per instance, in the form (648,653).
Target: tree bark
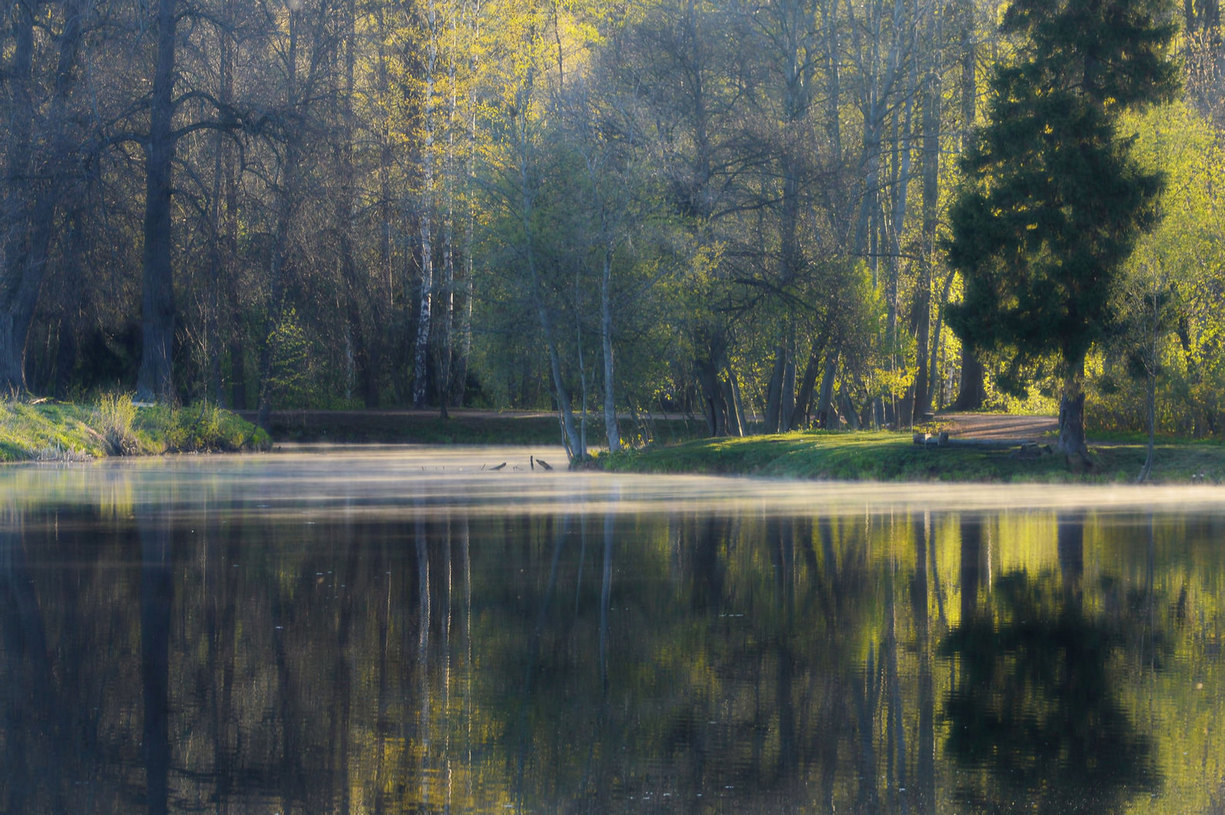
(421,351)
(921,322)
(714,400)
(808,382)
(1072,419)
(155,380)
(825,400)
(612,430)
(774,391)
(972,393)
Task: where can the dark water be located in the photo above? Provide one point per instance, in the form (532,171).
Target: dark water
(402,631)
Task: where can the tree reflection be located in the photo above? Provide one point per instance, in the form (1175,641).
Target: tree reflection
(29,704)
(586,661)
(156,597)
(1034,702)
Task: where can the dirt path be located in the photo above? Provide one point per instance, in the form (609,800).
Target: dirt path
(997,426)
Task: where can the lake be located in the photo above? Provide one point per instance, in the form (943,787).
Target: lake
(390,630)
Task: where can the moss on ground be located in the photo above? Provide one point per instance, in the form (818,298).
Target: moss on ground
(114,426)
(884,456)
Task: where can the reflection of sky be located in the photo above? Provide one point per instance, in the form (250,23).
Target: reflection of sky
(394,480)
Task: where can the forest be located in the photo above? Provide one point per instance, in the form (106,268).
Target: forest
(731,209)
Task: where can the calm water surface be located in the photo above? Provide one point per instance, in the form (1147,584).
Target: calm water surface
(408,630)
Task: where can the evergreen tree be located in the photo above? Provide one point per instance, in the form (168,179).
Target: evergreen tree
(1053,200)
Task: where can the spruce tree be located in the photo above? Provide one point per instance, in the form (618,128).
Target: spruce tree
(1052,199)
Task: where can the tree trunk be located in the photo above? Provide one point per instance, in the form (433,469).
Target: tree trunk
(472,8)
(612,430)
(825,401)
(446,322)
(972,392)
(714,403)
(421,351)
(737,424)
(774,391)
(921,322)
(155,380)
(1072,420)
(565,411)
(808,382)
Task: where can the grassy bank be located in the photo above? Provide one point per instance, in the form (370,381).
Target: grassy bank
(114,426)
(882,456)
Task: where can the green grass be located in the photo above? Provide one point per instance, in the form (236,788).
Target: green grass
(114,426)
(884,456)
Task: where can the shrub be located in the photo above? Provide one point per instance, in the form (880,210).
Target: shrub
(115,417)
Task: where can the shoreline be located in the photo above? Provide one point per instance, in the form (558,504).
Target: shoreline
(115,427)
(884,456)
(56,431)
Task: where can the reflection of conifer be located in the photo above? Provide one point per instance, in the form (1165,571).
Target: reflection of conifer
(1034,705)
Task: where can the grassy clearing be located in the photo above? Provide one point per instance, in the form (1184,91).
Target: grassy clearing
(884,456)
(114,426)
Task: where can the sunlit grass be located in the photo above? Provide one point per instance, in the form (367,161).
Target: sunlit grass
(114,426)
(885,456)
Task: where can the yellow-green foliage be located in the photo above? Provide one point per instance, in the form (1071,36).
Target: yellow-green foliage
(1169,296)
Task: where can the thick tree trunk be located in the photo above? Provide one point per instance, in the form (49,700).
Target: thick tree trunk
(1072,419)
(825,399)
(774,391)
(972,392)
(714,401)
(155,380)
(808,382)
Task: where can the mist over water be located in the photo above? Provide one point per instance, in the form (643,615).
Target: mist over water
(408,629)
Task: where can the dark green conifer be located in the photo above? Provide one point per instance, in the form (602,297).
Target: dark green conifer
(1052,200)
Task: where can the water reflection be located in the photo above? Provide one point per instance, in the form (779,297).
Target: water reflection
(1035,702)
(226,635)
